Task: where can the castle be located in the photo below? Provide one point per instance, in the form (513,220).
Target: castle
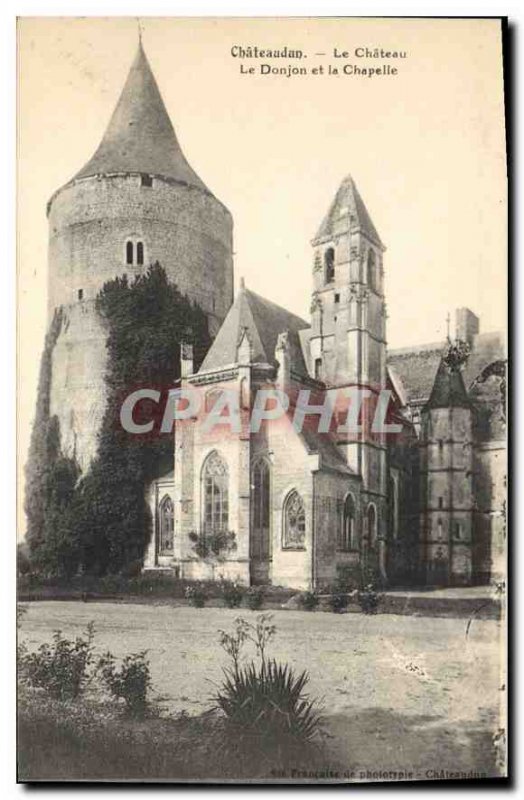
(303,507)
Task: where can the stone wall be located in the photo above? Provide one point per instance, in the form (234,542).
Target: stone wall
(187,230)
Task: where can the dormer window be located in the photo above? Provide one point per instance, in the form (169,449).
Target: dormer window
(329,264)
(135,253)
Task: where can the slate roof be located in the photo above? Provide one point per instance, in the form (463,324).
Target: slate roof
(330,455)
(448,389)
(347,211)
(264,321)
(416,368)
(140,137)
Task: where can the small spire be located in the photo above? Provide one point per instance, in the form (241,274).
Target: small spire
(448,321)
(139,26)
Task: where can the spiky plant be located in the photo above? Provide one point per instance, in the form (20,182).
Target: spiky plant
(265,707)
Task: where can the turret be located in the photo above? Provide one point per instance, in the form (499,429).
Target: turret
(447,477)
(135,202)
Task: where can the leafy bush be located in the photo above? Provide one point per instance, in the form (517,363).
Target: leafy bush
(369,599)
(60,668)
(213,545)
(338,602)
(131,682)
(232,594)
(23,562)
(255,596)
(133,569)
(308,600)
(196,595)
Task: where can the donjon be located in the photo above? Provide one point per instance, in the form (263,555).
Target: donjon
(136,201)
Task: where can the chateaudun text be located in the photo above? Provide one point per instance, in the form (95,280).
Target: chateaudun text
(359,61)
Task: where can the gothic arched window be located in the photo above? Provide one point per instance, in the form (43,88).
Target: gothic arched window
(372,524)
(329,264)
(371,270)
(393,507)
(215,500)
(166,524)
(261,509)
(294,533)
(346,538)
(140,253)
(129,252)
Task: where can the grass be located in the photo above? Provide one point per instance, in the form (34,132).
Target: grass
(87,739)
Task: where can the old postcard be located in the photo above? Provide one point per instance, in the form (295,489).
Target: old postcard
(262,292)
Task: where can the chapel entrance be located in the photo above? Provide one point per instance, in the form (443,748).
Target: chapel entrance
(259,540)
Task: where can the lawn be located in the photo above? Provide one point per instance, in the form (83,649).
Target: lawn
(400,693)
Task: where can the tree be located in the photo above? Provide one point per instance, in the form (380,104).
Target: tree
(147,321)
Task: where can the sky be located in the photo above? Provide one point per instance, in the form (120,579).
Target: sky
(426,148)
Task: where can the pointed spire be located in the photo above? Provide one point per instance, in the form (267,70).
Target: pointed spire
(347,211)
(140,137)
(448,389)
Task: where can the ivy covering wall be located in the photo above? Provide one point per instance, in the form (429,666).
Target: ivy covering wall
(99,522)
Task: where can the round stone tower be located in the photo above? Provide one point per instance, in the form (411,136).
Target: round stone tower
(135,202)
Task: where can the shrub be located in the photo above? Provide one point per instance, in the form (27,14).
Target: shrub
(196,595)
(368,599)
(265,709)
(338,602)
(60,668)
(308,600)
(265,705)
(133,569)
(232,594)
(23,561)
(130,683)
(255,597)
(213,545)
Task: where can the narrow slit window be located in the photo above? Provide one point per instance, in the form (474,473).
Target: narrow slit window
(140,253)
(329,263)
(129,252)
(80,294)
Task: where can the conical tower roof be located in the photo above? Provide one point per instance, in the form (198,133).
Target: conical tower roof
(140,136)
(348,210)
(448,389)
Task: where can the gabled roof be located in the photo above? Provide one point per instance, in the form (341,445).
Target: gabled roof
(416,367)
(140,136)
(448,389)
(347,211)
(263,321)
